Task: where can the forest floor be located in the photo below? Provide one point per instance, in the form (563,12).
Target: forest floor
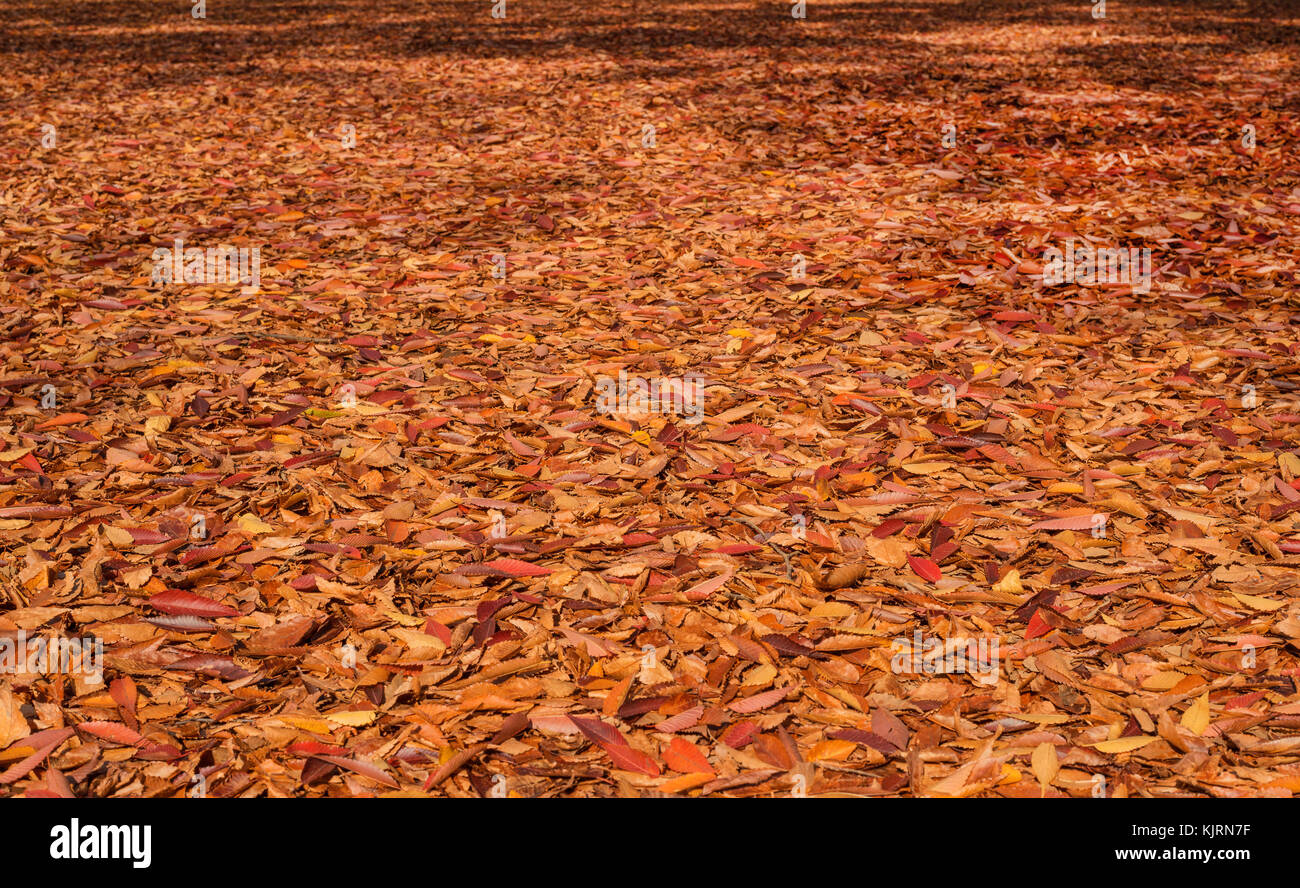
(920,512)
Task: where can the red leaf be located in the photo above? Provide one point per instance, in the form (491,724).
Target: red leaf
(737,549)
(311,747)
(37,511)
(1037,626)
(144,536)
(1244,701)
(281,635)
(681,721)
(888,528)
(925,568)
(123,692)
(629,759)
(158,752)
(639,539)
(598,731)
(286,416)
(758,701)
(21,769)
(504,567)
(363,768)
(183,623)
(740,734)
(181,603)
(210,664)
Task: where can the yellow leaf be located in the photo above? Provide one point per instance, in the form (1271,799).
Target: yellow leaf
(1197,717)
(1290,462)
(831,750)
(760,676)
(1065,487)
(641,436)
(353,719)
(926,468)
(1123,744)
(1122,502)
(15,753)
(1010,584)
(845,697)
(1009,775)
(832,609)
(136,577)
(422,644)
(314,725)
(1046,765)
(1162,681)
(252,524)
(443,505)
(405,619)
(1256,603)
(118,536)
(13,725)
(739,333)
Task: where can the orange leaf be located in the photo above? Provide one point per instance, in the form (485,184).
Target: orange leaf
(112,732)
(701,591)
(685,783)
(617,694)
(61,420)
(683,756)
(1073,522)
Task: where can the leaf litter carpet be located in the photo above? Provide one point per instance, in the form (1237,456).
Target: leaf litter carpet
(369,529)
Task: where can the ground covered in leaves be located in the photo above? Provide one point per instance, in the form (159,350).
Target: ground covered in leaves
(460,577)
